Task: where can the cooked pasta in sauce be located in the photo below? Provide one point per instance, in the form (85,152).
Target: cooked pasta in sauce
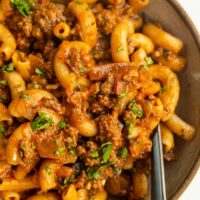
(83,84)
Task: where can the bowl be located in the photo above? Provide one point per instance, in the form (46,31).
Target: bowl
(172,16)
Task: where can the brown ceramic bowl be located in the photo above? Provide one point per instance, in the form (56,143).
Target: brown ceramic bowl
(171,15)
(179,173)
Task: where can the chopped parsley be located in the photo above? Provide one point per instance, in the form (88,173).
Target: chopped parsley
(138,112)
(123,94)
(88,9)
(94,154)
(124,152)
(39,71)
(131,104)
(62,124)
(144,68)
(135,109)
(149,60)
(59,151)
(58,141)
(48,170)
(131,130)
(83,69)
(24,7)
(41,122)
(72,151)
(106,149)
(120,49)
(68,180)
(3,82)
(93,174)
(24,96)
(8,68)
(2,130)
(164,88)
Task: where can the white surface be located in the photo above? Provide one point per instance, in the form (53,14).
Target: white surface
(192,7)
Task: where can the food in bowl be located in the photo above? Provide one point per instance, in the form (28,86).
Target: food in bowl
(83,85)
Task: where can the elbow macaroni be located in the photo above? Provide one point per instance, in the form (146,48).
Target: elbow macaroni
(97,87)
(22,65)
(7,45)
(15,83)
(162,38)
(86,20)
(119,45)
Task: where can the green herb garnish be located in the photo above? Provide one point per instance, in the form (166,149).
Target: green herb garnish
(39,71)
(138,112)
(93,174)
(24,7)
(24,96)
(62,124)
(131,104)
(8,68)
(144,68)
(120,49)
(41,122)
(48,170)
(3,82)
(2,130)
(123,94)
(88,9)
(106,148)
(149,60)
(164,88)
(83,69)
(96,174)
(59,151)
(72,151)
(68,180)
(131,130)
(94,154)
(124,152)
(58,141)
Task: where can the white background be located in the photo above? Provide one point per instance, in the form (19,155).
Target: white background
(192,7)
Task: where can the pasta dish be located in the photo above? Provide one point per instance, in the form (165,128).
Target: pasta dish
(83,84)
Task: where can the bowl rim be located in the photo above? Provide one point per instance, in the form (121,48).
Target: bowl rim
(194,32)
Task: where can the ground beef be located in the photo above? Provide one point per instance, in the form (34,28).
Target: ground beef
(96,108)
(52,105)
(101,51)
(37,27)
(79,61)
(71,136)
(85,153)
(106,21)
(107,87)
(45,18)
(109,130)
